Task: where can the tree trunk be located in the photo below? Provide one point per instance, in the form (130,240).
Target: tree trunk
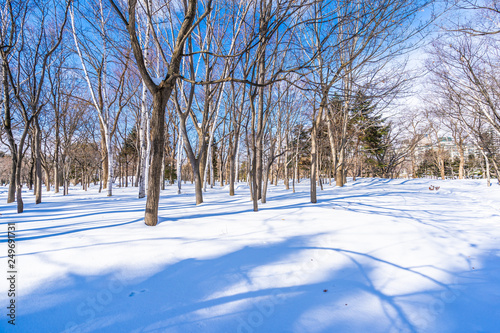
(47,178)
(104,156)
(100,180)
(487,167)
(330,173)
(237,161)
(65,185)
(441,167)
(126,172)
(198,185)
(7,127)
(461,165)
(258,159)
(260,130)
(333,147)
(318,165)
(57,183)
(339,176)
(160,99)
(287,177)
(143,159)
(248,167)
(221,168)
(120,174)
(255,198)
(32,173)
(314,152)
(12,184)
(179,163)
(20,204)
(163,170)
(285,165)
(276,174)
(212,175)
(232,165)
(31,177)
(296,169)
(38,162)
(265,180)
(19,188)
(172,159)
(313,163)
(137,170)
(109,164)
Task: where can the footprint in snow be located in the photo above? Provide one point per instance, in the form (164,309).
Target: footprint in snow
(133,293)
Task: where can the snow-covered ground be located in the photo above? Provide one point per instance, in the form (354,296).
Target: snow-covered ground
(375,256)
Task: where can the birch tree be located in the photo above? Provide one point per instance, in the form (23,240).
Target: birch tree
(97,54)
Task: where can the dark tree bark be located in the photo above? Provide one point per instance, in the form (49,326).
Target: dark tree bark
(38,160)
(57,183)
(8,129)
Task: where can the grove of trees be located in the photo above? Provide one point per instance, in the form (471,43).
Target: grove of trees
(149,93)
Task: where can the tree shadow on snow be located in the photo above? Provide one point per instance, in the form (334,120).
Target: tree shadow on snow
(241,292)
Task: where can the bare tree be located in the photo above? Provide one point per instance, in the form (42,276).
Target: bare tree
(13,17)
(161,91)
(103,95)
(33,54)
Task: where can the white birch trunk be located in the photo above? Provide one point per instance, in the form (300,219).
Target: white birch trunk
(107,116)
(210,140)
(163,170)
(144,131)
(104,116)
(148,149)
(237,161)
(110,162)
(143,144)
(212,175)
(180,146)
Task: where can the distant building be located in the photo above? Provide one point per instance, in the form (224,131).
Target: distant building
(428,143)
(448,145)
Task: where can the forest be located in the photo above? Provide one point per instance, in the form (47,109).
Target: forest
(151,94)
(250,166)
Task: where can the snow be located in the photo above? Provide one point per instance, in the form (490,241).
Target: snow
(374,256)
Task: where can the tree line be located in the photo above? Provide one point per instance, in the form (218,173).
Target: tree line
(149,92)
